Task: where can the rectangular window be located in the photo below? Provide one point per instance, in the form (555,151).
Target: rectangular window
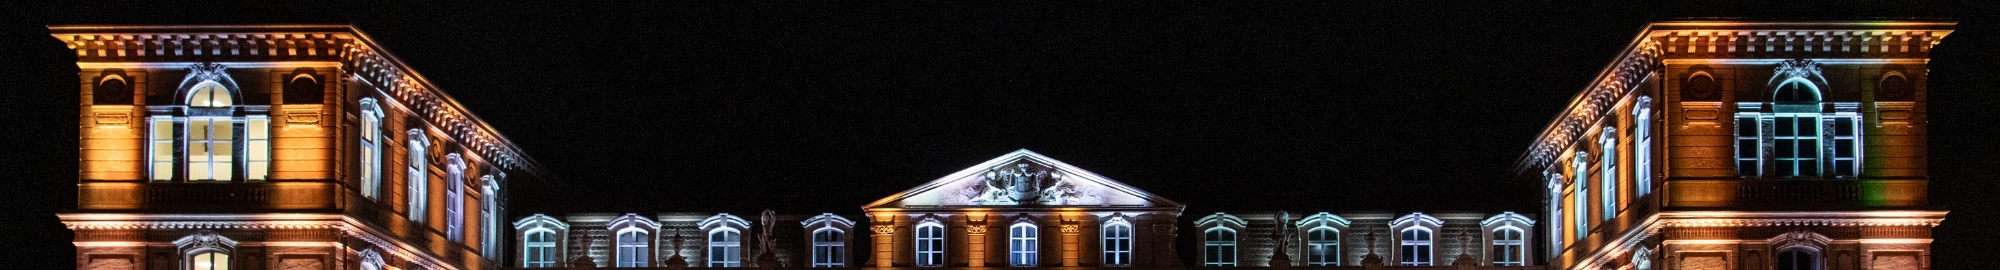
(1748,150)
(1322,247)
(541,247)
(1796,144)
(1220,246)
(1021,243)
(1118,245)
(209,149)
(1507,247)
(930,245)
(1846,146)
(827,249)
(163,148)
(257,147)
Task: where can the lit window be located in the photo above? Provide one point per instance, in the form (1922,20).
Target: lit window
(1220,246)
(418,176)
(1416,247)
(1322,247)
(1846,146)
(541,249)
(1608,188)
(489,236)
(1642,151)
(1795,130)
(1118,242)
(1555,213)
(930,244)
(454,197)
(725,248)
(632,248)
(1798,259)
(828,249)
(256,147)
(1749,152)
(211,260)
(1021,244)
(1507,247)
(209,148)
(163,148)
(1581,196)
(371,149)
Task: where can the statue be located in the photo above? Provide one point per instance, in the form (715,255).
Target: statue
(1278,258)
(766,258)
(677,262)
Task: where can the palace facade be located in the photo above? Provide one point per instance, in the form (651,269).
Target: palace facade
(1745,145)
(278,147)
(1704,145)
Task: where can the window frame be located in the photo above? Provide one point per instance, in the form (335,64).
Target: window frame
(454,197)
(1215,244)
(1424,248)
(1117,242)
(830,250)
(1518,256)
(929,232)
(640,255)
(529,245)
(418,176)
(731,252)
(1023,244)
(370,138)
(1608,175)
(1322,252)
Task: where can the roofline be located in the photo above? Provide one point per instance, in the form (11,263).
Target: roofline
(1523,163)
(534,167)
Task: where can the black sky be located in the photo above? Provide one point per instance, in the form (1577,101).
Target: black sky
(819,106)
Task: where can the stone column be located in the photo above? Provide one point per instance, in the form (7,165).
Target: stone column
(975,243)
(885,242)
(1070,243)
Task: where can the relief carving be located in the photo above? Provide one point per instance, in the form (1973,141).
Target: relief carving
(1026,184)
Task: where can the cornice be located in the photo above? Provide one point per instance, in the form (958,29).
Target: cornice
(354,51)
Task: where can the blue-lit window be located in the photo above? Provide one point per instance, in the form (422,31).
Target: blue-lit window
(1749,150)
(1795,143)
(1581,196)
(1118,242)
(828,248)
(540,249)
(1642,170)
(1322,247)
(930,244)
(1507,251)
(632,248)
(418,176)
(454,197)
(1021,244)
(1416,247)
(1219,246)
(725,248)
(1608,171)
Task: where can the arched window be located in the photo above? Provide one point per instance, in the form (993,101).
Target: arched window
(828,249)
(209,260)
(1322,247)
(1642,175)
(1117,242)
(1021,244)
(1416,243)
(1608,171)
(1581,196)
(930,244)
(206,250)
(209,138)
(1555,202)
(489,230)
(725,248)
(1796,129)
(418,176)
(632,244)
(454,197)
(1507,245)
(1220,246)
(371,149)
(1798,259)
(541,248)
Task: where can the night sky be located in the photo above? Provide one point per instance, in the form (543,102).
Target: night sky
(820,106)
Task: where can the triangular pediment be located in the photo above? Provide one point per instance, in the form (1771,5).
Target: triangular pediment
(1023,179)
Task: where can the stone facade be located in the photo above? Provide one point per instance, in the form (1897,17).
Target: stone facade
(1746,145)
(250,147)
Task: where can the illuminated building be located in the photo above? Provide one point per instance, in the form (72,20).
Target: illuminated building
(277,147)
(1745,145)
